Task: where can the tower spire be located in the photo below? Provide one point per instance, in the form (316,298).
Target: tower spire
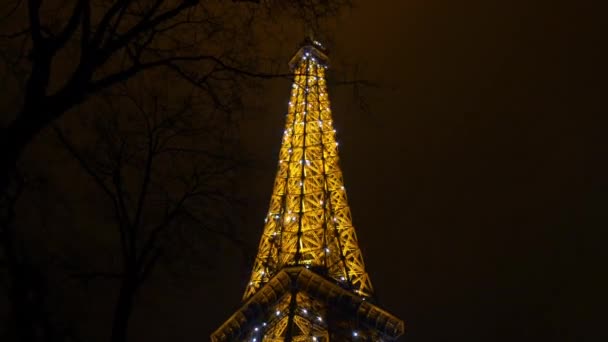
(308,258)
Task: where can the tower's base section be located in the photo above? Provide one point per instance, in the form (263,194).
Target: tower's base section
(300,305)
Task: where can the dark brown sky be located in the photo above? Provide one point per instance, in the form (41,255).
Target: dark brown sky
(477,180)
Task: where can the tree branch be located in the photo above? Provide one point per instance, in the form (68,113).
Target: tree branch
(86,29)
(72,24)
(144,189)
(87,276)
(13,9)
(147,266)
(34,17)
(144,25)
(84,165)
(15,34)
(106,19)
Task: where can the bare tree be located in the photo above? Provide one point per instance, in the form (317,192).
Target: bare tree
(108,42)
(57,54)
(165,169)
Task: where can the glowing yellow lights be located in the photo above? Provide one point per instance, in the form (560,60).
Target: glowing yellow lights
(316,227)
(308,281)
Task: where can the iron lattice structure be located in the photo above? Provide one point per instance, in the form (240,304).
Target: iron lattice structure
(309,281)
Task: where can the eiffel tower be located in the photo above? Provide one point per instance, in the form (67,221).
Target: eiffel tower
(309,281)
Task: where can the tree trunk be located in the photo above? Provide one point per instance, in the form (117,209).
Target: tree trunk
(14,138)
(34,117)
(21,291)
(123,310)
(11,149)
(26,296)
(20,294)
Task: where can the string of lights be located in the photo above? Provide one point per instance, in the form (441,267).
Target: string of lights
(309,281)
(309,221)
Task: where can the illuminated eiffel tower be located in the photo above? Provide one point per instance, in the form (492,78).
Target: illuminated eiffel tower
(309,281)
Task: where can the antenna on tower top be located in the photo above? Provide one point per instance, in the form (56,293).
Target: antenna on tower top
(311,34)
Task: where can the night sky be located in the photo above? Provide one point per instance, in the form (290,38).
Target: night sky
(476,175)
(477,180)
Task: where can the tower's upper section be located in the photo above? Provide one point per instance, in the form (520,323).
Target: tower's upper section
(309,221)
(309,48)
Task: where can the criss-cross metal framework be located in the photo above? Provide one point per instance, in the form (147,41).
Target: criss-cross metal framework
(309,281)
(309,221)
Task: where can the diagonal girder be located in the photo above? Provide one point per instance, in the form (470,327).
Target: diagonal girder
(322,308)
(309,221)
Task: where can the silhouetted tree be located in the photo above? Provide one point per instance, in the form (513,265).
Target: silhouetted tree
(165,167)
(57,54)
(108,42)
